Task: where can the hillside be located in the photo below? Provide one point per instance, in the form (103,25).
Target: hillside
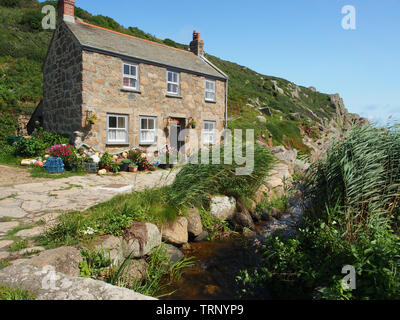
(272,106)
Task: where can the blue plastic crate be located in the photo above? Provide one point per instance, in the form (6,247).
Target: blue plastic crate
(54,165)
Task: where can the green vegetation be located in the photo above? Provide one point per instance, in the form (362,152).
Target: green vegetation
(15,294)
(4,264)
(160,274)
(353,220)
(111,217)
(195,182)
(192,187)
(19,245)
(94,263)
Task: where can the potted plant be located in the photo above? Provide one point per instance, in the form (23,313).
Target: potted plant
(133,167)
(192,124)
(92,119)
(124,165)
(114,167)
(105,161)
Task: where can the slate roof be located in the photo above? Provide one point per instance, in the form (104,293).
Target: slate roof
(108,41)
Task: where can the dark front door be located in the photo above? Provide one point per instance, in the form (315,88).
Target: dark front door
(175,140)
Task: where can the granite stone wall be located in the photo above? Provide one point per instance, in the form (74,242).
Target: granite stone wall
(103,94)
(62,85)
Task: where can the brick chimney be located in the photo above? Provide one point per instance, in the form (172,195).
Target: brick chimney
(197,45)
(66,10)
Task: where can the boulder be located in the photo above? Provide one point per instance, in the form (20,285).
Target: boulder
(202,237)
(113,246)
(136,270)
(262,119)
(260,194)
(223,208)
(195,226)
(242,220)
(176,232)
(65,260)
(173,252)
(282,154)
(47,284)
(140,239)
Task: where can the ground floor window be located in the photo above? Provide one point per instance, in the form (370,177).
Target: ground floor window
(148,130)
(209,132)
(117,129)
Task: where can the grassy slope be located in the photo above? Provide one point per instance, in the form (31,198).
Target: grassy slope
(23,47)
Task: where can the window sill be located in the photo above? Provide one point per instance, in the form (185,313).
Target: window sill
(131,90)
(116,144)
(147,144)
(211,101)
(173,96)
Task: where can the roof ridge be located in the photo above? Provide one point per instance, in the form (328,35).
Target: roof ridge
(128,35)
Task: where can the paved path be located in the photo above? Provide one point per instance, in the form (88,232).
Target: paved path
(37,205)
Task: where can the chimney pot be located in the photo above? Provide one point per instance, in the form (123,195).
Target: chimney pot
(66,10)
(197,45)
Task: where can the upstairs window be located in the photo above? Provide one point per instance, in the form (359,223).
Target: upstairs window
(148,130)
(130,76)
(210,90)
(173,86)
(117,129)
(209,133)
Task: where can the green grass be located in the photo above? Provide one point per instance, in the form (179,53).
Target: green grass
(18,229)
(4,264)
(19,245)
(15,294)
(112,217)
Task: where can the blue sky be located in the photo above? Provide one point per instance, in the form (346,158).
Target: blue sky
(300,40)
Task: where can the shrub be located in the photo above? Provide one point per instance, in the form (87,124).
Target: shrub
(354,199)
(196,182)
(32,19)
(29,147)
(8,126)
(50,138)
(37,145)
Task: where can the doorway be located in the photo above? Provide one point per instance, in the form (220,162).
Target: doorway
(176,126)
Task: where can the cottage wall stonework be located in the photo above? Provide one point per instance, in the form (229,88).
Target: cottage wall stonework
(62,84)
(103,94)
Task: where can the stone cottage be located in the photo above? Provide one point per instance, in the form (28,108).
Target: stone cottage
(114,92)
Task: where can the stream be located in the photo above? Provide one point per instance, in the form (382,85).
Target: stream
(217,263)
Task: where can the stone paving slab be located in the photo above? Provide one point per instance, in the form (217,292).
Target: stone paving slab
(23,205)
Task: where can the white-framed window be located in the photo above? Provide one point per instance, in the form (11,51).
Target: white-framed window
(130,76)
(210,90)
(173,83)
(148,130)
(117,129)
(209,132)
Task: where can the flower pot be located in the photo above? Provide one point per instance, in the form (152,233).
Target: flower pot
(124,167)
(133,169)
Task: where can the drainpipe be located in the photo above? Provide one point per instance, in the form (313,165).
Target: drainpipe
(226,103)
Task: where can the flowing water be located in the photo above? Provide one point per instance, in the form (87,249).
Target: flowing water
(217,263)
